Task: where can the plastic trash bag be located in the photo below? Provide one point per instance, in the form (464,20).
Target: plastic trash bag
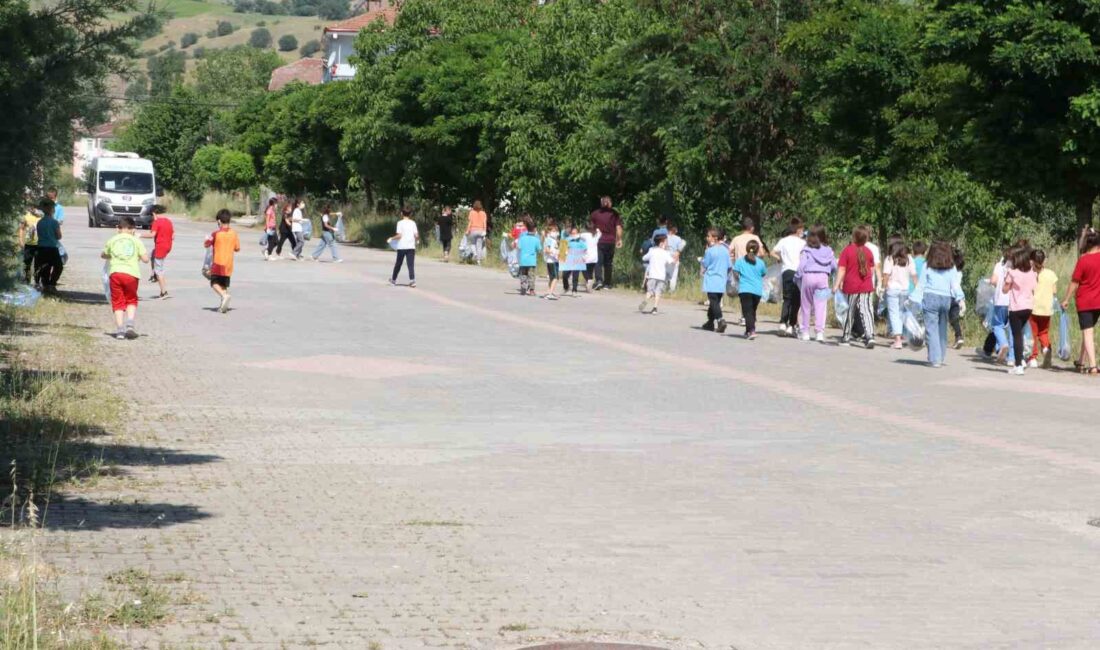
(880,310)
(913,330)
(307,229)
(840,306)
(983,299)
(341,228)
(732,284)
(23,296)
(107,280)
(207,262)
(1064,349)
(505,249)
(393,243)
(773,284)
(64,254)
(510,256)
(465,250)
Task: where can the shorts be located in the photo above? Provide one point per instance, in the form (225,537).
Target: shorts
(1088,319)
(158,265)
(655,287)
(552,270)
(124,289)
(220,280)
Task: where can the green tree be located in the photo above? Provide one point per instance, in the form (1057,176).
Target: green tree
(55,58)
(300,147)
(288,43)
(233,74)
(260,38)
(166,72)
(310,47)
(1015,82)
(204,165)
(332,9)
(225,28)
(169,132)
(188,39)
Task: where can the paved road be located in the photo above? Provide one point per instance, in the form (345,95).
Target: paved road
(338,461)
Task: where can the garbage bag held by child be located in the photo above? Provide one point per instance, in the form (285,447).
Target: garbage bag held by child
(107,280)
(732,284)
(840,306)
(914,330)
(773,287)
(505,248)
(1064,349)
(983,298)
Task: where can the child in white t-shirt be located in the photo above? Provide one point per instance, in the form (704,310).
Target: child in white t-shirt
(657,259)
(676,245)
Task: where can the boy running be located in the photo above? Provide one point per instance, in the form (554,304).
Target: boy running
(225,243)
(123,253)
(163,232)
(658,260)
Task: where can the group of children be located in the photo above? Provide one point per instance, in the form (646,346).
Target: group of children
(40,240)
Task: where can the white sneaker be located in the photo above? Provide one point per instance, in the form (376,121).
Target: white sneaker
(1033,363)
(1016,370)
(820,337)
(805,336)
(224,306)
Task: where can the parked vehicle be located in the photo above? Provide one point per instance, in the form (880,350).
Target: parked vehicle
(121,185)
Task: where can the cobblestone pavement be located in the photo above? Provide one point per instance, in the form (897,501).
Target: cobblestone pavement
(341,463)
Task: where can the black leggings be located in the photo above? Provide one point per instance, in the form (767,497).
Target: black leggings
(47,266)
(283,236)
(1017,321)
(749,303)
(605,264)
(446,244)
(714,309)
(407,255)
(589,271)
(792,300)
(570,276)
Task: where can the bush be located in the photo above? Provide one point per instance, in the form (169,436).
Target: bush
(212,33)
(188,39)
(225,28)
(287,43)
(198,52)
(260,38)
(332,9)
(262,23)
(310,48)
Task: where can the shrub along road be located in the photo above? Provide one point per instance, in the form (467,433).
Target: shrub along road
(457,466)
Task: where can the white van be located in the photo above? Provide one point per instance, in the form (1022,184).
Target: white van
(121,185)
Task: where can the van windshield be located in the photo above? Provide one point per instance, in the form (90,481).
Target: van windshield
(128,182)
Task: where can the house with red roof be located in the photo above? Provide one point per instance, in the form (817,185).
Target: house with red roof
(339,38)
(308,71)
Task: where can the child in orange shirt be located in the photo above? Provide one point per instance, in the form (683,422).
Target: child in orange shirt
(225,243)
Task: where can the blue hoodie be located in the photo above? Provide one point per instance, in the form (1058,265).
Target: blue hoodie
(716,268)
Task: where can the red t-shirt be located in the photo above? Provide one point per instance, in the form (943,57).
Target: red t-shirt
(849,259)
(607,221)
(1087,275)
(162,237)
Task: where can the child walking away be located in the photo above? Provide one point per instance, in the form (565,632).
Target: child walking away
(28,239)
(1020,283)
(575,251)
(1046,284)
(528,246)
(1084,289)
(446,224)
(856,278)
(224,244)
(591,255)
(271,233)
(163,232)
(124,252)
(900,272)
(716,268)
(47,260)
(550,252)
(407,238)
(750,271)
(676,246)
(816,263)
(937,287)
(328,236)
(658,259)
(788,251)
(954,316)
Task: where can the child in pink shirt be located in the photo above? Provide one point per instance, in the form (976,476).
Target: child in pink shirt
(1020,282)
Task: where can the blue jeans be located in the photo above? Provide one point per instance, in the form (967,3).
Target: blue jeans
(999,324)
(895,298)
(936,308)
(327,241)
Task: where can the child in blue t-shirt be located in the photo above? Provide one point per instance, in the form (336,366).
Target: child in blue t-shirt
(528,246)
(715,271)
(750,271)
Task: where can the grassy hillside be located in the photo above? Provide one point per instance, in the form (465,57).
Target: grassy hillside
(201,16)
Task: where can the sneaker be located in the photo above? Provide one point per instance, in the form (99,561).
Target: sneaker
(597,287)
(936,365)
(721,329)
(551,296)
(869,344)
(845,342)
(120,335)
(266,257)
(1033,363)
(224,306)
(393,283)
(751,336)
(1016,370)
(653,311)
(805,337)
(959,343)
(338,260)
(131,333)
(412,285)
(980,351)
(896,345)
(740,321)
(821,337)
(1046,358)
(1002,354)
(708,326)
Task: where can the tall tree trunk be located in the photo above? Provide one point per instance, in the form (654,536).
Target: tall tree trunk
(1086,196)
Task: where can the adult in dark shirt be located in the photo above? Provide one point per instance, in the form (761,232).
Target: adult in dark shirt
(610,225)
(446,224)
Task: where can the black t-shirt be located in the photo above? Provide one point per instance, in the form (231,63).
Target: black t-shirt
(446,223)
